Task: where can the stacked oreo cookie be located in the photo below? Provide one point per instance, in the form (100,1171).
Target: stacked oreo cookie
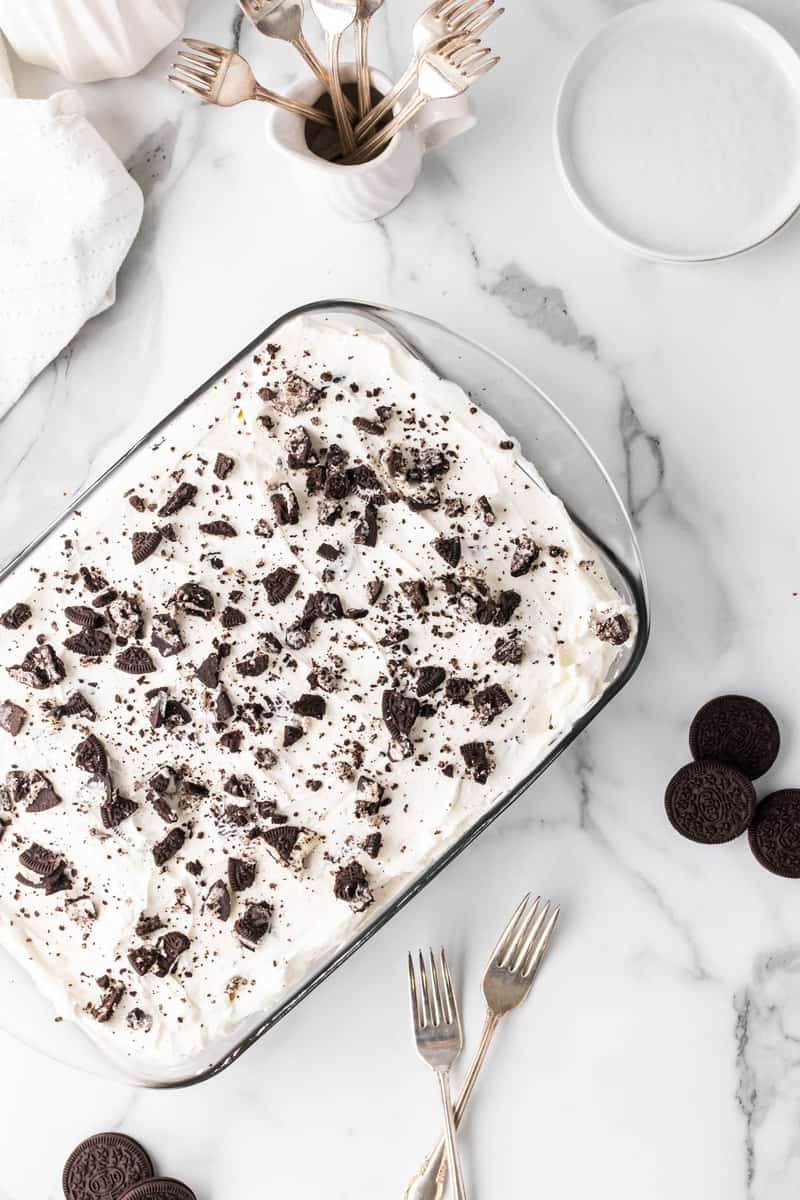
(115,1167)
(735,740)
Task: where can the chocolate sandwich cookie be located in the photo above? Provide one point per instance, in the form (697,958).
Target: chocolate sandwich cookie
(736,730)
(710,802)
(775,833)
(159,1189)
(106,1165)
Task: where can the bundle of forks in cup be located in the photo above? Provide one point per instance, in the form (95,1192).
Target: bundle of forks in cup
(438,1031)
(448,56)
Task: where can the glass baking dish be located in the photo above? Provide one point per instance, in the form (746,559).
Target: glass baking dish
(569,468)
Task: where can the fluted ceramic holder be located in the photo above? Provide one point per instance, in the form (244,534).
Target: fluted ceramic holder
(87,40)
(368,190)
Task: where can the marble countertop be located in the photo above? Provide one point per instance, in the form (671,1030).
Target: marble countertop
(658,1055)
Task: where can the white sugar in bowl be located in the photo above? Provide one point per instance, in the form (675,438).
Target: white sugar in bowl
(86,40)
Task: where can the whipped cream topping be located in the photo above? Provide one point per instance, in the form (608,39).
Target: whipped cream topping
(268,673)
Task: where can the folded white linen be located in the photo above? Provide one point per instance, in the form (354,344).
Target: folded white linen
(69,212)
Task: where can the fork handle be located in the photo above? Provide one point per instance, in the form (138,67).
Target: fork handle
(386,104)
(383,136)
(295,106)
(429,1182)
(312,62)
(337,95)
(450,1134)
(362,66)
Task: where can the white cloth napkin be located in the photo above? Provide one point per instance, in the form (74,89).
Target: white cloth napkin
(69,212)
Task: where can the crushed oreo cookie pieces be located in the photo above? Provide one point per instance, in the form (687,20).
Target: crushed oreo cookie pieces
(83,615)
(111,998)
(485,510)
(142,958)
(525,555)
(310,705)
(165,635)
(169,947)
(90,756)
(75,705)
(16,616)
(93,580)
(241,874)
(458,689)
(509,650)
(116,810)
(223,465)
(416,593)
(231,617)
(12,717)
(279,584)
(490,702)
(372,844)
(89,643)
(254,924)
(448,548)
(615,630)
(294,396)
(477,760)
(399,713)
(41,668)
(351,885)
(169,846)
(252,664)
(365,530)
(135,661)
(430,679)
(218,900)
(195,600)
(299,450)
(125,618)
(364,425)
(208,671)
(222,529)
(184,494)
(285,505)
(145,543)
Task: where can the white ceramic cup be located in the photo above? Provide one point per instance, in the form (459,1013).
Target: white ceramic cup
(372,189)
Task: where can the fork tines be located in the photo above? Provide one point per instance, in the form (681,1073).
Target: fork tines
(453,11)
(433,1003)
(466,53)
(526,937)
(197,67)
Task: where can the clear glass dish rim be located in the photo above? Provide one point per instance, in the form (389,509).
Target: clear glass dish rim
(638,586)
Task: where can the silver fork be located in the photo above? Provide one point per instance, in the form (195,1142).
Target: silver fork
(448,68)
(335,16)
(506,982)
(439,1037)
(221,76)
(283,19)
(442,18)
(365,11)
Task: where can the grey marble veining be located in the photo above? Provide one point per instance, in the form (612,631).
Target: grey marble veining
(658,1055)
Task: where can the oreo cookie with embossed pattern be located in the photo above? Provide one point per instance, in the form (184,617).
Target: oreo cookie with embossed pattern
(775,833)
(160,1189)
(736,730)
(710,802)
(105,1167)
